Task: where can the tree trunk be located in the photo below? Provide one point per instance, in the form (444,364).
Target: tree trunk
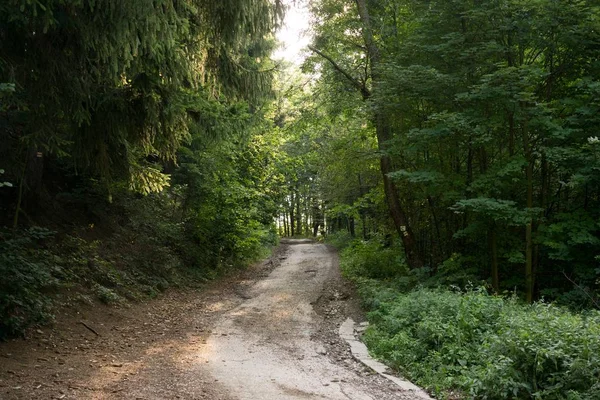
(316,219)
(399,216)
(298,214)
(286,230)
(292,228)
(361,211)
(30,183)
(437,249)
(383,131)
(511,134)
(351,227)
(529,277)
(493,245)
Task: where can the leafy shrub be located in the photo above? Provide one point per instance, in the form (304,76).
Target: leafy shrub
(27,274)
(340,239)
(372,259)
(486,346)
(250,242)
(457,270)
(105,295)
(134,252)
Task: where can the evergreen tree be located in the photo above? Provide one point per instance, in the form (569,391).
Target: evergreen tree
(114,86)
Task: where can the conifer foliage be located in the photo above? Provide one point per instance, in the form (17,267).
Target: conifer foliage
(110,83)
(134,130)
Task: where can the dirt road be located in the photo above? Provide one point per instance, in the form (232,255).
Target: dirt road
(269,333)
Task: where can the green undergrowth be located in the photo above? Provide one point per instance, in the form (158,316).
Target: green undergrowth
(468,343)
(340,240)
(132,254)
(485,346)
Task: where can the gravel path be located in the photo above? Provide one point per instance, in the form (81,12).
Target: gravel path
(271,332)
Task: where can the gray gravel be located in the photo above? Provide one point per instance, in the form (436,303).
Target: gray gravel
(282,342)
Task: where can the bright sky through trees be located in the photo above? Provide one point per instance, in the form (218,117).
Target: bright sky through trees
(294,36)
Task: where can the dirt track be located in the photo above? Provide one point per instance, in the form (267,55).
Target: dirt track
(268,333)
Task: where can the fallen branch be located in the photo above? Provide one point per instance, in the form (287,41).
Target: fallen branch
(89,328)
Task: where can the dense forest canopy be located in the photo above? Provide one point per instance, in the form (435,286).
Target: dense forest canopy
(113,85)
(484,116)
(441,144)
(464,132)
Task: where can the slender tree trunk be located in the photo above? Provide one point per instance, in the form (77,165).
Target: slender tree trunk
(363,223)
(20,195)
(493,246)
(361,212)
(470,165)
(543,202)
(317,221)
(399,216)
(383,131)
(437,248)
(483,160)
(306,214)
(298,214)
(30,183)
(511,134)
(529,283)
(529,277)
(292,221)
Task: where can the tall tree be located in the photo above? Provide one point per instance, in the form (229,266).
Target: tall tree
(478,108)
(366,84)
(113,85)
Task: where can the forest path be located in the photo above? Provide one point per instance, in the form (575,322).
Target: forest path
(268,333)
(272,345)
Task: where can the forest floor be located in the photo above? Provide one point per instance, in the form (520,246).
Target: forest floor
(268,332)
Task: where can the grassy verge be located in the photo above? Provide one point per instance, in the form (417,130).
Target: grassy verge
(469,344)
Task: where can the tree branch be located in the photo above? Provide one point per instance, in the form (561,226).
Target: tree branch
(592,299)
(364,91)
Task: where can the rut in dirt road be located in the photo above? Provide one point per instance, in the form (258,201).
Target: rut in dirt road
(263,349)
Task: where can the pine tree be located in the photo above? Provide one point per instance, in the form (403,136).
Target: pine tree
(112,85)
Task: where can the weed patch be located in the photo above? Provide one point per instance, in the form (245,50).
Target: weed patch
(468,342)
(486,346)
